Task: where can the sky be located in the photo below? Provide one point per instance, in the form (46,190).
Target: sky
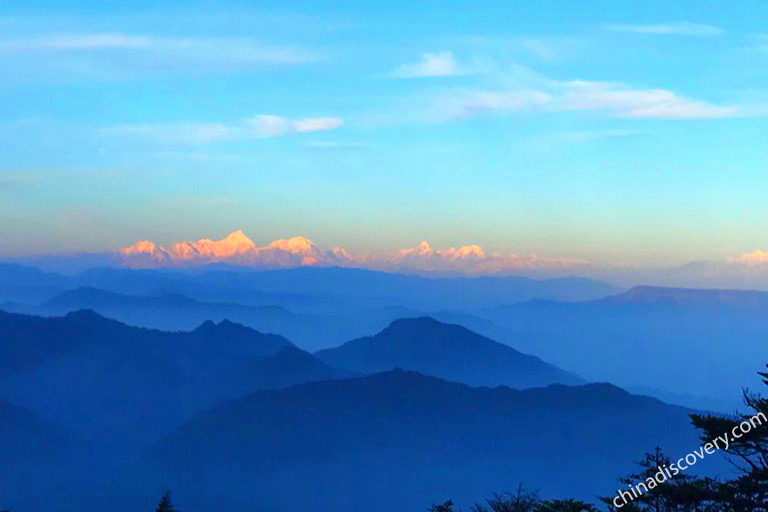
(621,133)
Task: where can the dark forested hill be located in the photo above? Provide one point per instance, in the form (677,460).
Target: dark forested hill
(290,366)
(397,440)
(25,437)
(113,382)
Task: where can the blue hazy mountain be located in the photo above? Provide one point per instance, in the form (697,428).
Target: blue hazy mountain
(33,340)
(691,298)
(25,437)
(288,367)
(445,350)
(389,441)
(400,440)
(166,312)
(382,288)
(175,312)
(678,341)
(19,283)
(319,290)
(103,379)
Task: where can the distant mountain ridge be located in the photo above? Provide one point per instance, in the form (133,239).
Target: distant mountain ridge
(288,367)
(101,378)
(311,331)
(125,373)
(305,289)
(694,297)
(249,415)
(173,311)
(38,338)
(445,350)
(651,337)
(398,439)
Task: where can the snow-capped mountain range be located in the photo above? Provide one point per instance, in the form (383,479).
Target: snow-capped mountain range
(238,249)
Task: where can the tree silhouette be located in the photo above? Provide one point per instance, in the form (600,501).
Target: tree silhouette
(569,505)
(521,501)
(165,504)
(749,453)
(681,493)
(442,507)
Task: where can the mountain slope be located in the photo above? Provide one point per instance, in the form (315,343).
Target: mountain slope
(36,339)
(178,312)
(747,300)
(173,312)
(400,440)
(706,343)
(309,289)
(290,366)
(25,437)
(445,350)
(168,311)
(113,382)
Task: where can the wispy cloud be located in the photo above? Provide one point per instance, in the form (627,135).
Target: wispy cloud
(260,126)
(613,99)
(115,55)
(430,65)
(620,100)
(327,145)
(581,136)
(473,103)
(314,124)
(753,258)
(677,29)
(229,50)
(64,42)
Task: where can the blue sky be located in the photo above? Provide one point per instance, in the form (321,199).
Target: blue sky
(610,132)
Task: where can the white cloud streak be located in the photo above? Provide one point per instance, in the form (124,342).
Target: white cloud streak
(613,99)
(622,101)
(327,145)
(100,41)
(678,29)
(124,53)
(260,126)
(317,124)
(753,258)
(474,103)
(430,65)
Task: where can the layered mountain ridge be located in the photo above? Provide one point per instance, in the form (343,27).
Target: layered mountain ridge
(448,351)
